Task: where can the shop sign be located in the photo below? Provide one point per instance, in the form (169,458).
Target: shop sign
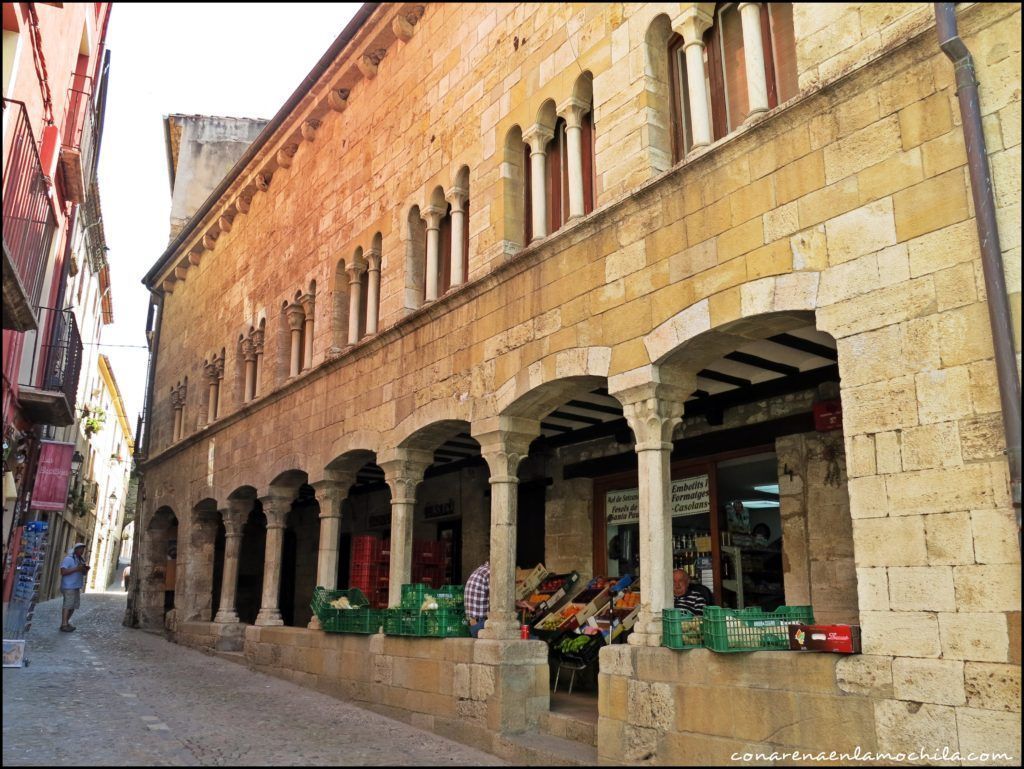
(439,510)
(690,496)
(53,475)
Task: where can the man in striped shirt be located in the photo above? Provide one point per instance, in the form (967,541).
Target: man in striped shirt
(693,598)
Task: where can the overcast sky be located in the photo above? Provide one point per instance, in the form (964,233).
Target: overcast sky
(238,60)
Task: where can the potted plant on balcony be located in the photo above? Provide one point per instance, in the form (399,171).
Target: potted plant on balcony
(94,419)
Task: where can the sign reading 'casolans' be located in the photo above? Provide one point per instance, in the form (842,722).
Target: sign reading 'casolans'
(690,496)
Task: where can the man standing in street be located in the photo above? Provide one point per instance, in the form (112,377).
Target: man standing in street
(72,579)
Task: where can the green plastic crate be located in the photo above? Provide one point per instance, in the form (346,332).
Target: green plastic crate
(365,621)
(751,630)
(413,595)
(452,597)
(681,629)
(322,597)
(425,624)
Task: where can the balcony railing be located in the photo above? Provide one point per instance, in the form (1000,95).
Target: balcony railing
(78,140)
(49,383)
(28,224)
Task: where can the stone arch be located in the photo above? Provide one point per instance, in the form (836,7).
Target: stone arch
(286,477)
(243,492)
(764,298)
(513,174)
(437,411)
(562,365)
(547,114)
(199,562)
(367,441)
(415,259)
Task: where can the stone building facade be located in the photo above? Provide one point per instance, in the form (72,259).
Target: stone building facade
(490,254)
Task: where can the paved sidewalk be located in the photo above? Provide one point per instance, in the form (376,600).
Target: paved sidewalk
(106,695)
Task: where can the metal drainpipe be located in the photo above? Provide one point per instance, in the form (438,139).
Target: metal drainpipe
(988,237)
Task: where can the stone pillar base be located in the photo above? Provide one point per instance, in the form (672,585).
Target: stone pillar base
(314,623)
(500,629)
(269,618)
(226,617)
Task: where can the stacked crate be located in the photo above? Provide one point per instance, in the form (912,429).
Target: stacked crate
(428,563)
(368,564)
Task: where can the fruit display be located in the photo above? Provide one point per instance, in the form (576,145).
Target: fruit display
(572,643)
(627,600)
(341,603)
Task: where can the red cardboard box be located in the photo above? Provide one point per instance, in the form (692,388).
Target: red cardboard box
(842,639)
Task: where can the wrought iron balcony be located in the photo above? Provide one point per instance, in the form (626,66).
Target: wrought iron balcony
(78,140)
(28,224)
(48,387)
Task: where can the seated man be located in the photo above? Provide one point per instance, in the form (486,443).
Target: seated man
(692,597)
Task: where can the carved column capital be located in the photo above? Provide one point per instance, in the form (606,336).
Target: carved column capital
(504,449)
(433,215)
(405,471)
(653,410)
(331,492)
(276,508)
(257,336)
(538,136)
(692,26)
(572,111)
(248,349)
(296,316)
(457,196)
(308,302)
(355,272)
(210,372)
(373,261)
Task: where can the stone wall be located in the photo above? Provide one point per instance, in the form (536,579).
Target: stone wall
(817,536)
(665,707)
(466,689)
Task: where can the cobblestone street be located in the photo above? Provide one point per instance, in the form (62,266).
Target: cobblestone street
(106,695)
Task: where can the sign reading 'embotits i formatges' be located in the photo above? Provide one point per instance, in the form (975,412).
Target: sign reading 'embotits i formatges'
(690,496)
(53,474)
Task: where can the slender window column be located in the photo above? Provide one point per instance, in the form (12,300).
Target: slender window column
(693,26)
(403,474)
(212,382)
(355,280)
(257,346)
(503,450)
(308,304)
(275,508)
(249,356)
(572,111)
(457,197)
(234,520)
(372,291)
(177,422)
(432,215)
(653,411)
(220,383)
(753,56)
(296,319)
(538,137)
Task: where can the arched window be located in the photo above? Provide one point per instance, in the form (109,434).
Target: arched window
(515,191)
(557,163)
(415,259)
(737,82)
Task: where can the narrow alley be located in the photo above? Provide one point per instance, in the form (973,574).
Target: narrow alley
(107,695)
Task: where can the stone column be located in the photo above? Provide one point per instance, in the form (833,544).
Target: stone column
(276,510)
(234,520)
(296,319)
(372,291)
(572,111)
(177,416)
(538,137)
(653,410)
(212,382)
(308,302)
(432,215)
(355,279)
(257,346)
(403,474)
(249,355)
(503,449)
(694,24)
(330,494)
(753,56)
(458,197)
